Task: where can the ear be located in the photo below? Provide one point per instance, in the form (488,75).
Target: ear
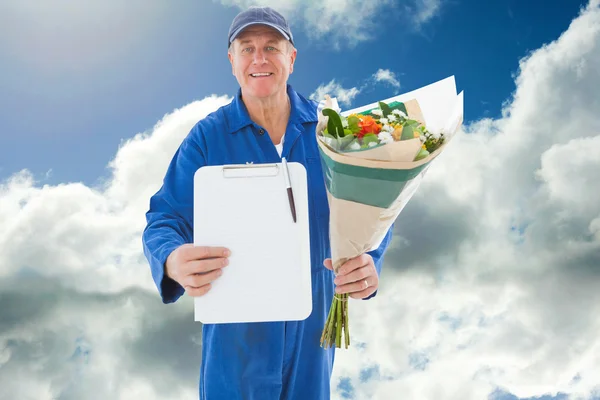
(231,61)
(292,60)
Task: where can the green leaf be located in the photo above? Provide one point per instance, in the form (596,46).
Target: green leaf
(334,124)
(407,133)
(353,124)
(421,154)
(398,106)
(346,141)
(385,109)
(370,137)
(355,140)
(412,122)
(347,132)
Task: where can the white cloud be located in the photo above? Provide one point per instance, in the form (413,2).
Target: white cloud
(60,343)
(425,10)
(346,96)
(385,75)
(492,281)
(334,89)
(342,22)
(569,171)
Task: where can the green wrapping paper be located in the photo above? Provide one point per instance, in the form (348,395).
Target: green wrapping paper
(377,187)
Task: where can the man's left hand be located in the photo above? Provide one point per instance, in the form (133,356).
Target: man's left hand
(357,276)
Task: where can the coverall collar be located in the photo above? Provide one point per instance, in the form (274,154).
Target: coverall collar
(302,111)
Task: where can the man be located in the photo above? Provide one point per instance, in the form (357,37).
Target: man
(265,121)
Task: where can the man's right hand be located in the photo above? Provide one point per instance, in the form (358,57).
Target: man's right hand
(195,267)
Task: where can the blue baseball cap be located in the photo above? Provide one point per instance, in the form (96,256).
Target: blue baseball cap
(259,16)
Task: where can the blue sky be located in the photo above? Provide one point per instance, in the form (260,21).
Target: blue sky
(72,91)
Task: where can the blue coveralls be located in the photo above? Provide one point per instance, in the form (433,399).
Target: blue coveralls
(251,361)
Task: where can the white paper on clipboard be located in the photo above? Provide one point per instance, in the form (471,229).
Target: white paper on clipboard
(246,209)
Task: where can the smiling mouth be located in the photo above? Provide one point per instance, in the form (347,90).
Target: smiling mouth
(261,74)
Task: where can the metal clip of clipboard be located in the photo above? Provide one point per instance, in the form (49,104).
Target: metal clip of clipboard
(250,170)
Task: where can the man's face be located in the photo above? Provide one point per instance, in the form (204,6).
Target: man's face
(261,60)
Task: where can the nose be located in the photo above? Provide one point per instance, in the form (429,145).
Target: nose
(259,57)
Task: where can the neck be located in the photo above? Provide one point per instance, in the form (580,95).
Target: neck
(271,113)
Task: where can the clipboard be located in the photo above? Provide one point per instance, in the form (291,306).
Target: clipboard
(245,208)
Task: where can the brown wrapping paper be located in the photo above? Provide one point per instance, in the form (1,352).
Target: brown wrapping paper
(358,228)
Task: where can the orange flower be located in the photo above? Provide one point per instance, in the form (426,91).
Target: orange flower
(368,124)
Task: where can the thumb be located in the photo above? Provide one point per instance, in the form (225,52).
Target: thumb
(327,264)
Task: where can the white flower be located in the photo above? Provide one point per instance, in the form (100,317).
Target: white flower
(391,117)
(377,112)
(400,113)
(344,122)
(355,146)
(385,137)
(383,120)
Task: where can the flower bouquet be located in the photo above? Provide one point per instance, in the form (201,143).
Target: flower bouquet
(374,159)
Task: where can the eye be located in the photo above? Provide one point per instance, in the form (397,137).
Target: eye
(271,48)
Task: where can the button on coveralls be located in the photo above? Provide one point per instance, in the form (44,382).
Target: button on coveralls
(251,361)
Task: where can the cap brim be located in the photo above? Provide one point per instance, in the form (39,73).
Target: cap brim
(240,29)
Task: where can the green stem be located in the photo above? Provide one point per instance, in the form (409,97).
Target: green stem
(345,317)
(337,319)
(338,330)
(330,324)
(325,334)
(347,330)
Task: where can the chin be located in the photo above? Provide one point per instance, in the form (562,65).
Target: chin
(262,89)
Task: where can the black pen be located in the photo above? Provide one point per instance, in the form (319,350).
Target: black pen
(289,188)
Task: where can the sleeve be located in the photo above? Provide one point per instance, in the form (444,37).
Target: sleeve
(378,255)
(170,215)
